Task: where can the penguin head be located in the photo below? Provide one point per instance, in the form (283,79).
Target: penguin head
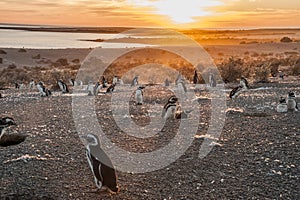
(291,95)
(282,100)
(8,121)
(173,99)
(92,139)
(141,87)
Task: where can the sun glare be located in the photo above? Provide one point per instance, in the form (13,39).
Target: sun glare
(180,11)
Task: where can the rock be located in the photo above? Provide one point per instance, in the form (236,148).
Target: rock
(37,56)
(286,39)
(22,50)
(2,51)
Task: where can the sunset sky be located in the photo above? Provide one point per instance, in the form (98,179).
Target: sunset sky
(157,13)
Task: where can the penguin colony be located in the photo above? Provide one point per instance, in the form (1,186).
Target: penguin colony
(103,171)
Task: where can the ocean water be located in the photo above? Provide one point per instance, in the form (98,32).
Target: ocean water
(57,40)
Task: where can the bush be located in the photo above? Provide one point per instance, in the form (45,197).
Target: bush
(2,51)
(262,72)
(286,39)
(296,68)
(61,62)
(232,70)
(22,50)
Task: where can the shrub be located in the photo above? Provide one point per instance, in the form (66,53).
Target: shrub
(262,72)
(22,50)
(286,39)
(232,70)
(296,68)
(2,51)
(61,62)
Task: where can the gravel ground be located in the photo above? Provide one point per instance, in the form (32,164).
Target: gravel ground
(256,157)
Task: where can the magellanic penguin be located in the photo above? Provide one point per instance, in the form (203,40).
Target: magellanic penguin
(167,83)
(12,138)
(237,90)
(63,87)
(170,108)
(139,95)
(135,81)
(212,80)
(7,121)
(104,82)
(291,103)
(72,82)
(102,168)
(244,83)
(181,86)
(97,87)
(43,90)
(111,88)
(282,106)
(31,84)
(4,123)
(115,80)
(195,79)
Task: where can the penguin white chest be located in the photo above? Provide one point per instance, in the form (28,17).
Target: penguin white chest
(170,112)
(281,108)
(291,105)
(139,96)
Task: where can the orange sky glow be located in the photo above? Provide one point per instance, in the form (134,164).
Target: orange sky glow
(154,13)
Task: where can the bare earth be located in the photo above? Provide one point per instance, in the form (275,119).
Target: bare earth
(258,157)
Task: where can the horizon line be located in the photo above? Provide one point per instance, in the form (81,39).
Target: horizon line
(187,28)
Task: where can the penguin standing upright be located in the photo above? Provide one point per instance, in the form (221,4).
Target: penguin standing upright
(212,80)
(115,80)
(170,108)
(111,88)
(167,83)
(139,95)
(181,86)
(17,85)
(178,79)
(102,168)
(72,82)
(291,103)
(43,90)
(90,88)
(63,87)
(195,79)
(135,81)
(31,84)
(104,82)
(97,87)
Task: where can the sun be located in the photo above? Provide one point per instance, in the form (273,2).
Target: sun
(180,11)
